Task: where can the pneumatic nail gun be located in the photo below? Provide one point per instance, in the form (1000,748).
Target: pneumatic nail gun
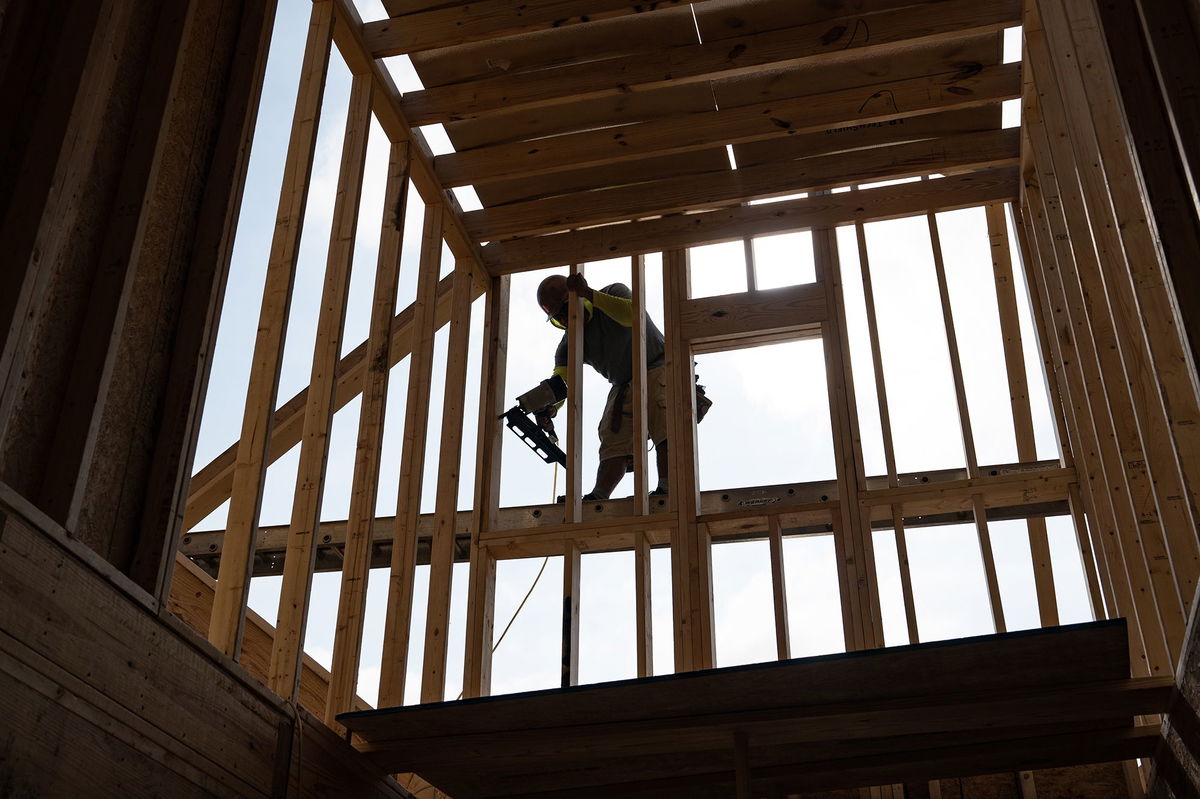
(540,403)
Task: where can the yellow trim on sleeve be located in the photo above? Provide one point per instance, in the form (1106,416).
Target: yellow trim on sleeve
(618,308)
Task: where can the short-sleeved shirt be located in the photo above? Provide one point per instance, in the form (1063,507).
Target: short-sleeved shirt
(608,344)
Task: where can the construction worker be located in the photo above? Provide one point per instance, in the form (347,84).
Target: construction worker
(607,348)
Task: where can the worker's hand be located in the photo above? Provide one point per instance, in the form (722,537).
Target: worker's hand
(578,284)
(546,423)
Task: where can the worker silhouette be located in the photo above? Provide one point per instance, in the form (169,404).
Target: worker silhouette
(608,348)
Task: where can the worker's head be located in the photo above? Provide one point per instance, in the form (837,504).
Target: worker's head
(552,297)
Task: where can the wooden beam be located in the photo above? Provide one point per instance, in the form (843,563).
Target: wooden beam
(481,589)
(691,555)
(783,647)
(318,413)
(637,389)
(486,19)
(946,60)
(643,617)
(1133,271)
(1095,331)
(1022,412)
(861,619)
(412,467)
(971,151)
(886,202)
(360,523)
(728,126)
(348,35)
(570,615)
(211,485)
(229,605)
(732,317)
(574,405)
(1093,423)
(837,38)
(441,550)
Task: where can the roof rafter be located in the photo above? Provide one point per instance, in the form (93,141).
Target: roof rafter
(730,126)
(839,38)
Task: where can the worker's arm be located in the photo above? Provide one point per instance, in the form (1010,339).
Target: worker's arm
(619,309)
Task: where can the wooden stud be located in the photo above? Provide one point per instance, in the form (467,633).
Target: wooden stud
(691,554)
(1096,336)
(964,420)
(574,404)
(1133,273)
(638,388)
(885,425)
(318,414)
(352,602)
(394,663)
(441,549)
(864,626)
(233,584)
(481,591)
(643,617)
(1014,361)
(906,586)
(348,35)
(1093,424)
(570,615)
(211,485)
(783,647)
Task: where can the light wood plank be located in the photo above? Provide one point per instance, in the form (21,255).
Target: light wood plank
(732,317)
(360,522)
(570,615)
(638,388)
(643,616)
(229,604)
(836,38)
(691,556)
(1093,420)
(728,126)
(574,404)
(441,549)
(729,187)
(481,590)
(783,647)
(394,663)
(210,486)
(1095,332)
(731,224)
(296,586)
(1018,385)
(864,626)
(485,19)
(1133,270)
(349,37)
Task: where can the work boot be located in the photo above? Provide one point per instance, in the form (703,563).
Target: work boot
(588,497)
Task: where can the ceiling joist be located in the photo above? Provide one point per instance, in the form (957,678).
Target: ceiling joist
(686,230)
(841,38)
(469,22)
(731,187)
(731,126)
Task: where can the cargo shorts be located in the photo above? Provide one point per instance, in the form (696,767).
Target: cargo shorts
(619,443)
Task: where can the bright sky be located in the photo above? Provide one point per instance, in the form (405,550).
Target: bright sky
(769,424)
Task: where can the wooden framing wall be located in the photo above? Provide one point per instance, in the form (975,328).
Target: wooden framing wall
(1105,226)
